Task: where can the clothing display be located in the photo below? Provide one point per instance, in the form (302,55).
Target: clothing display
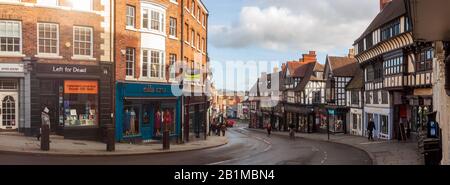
(126,121)
(133,121)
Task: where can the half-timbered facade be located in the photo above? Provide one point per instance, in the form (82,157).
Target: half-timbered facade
(355,101)
(339,71)
(397,72)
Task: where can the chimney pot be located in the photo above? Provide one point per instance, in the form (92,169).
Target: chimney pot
(383,4)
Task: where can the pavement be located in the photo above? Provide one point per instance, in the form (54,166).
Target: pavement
(17,143)
(382,152)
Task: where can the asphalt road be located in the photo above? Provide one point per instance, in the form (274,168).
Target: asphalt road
(244,148)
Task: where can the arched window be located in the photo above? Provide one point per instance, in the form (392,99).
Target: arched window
(8,111)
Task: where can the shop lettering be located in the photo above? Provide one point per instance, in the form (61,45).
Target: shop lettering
(154,90)
(69,70)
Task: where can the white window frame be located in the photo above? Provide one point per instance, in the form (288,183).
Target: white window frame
(161,71)
(172,67)
(173,27)
(193,38)
(57,40)
(134,63)
(92,43)
(129,7)
(20,36)
(91,8)
(161,20)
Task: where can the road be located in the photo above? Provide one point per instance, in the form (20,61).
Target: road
(244,148)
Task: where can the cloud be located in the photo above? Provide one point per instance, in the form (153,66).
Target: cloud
(281,25)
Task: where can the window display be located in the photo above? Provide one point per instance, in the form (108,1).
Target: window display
(80,103)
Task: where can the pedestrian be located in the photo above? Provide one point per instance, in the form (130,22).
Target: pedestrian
(370,129)
(291,131)
(269,129)
(45,120)
(223,128)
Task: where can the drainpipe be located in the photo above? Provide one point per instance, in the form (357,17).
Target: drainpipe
(180,137)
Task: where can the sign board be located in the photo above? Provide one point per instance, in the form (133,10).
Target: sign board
(80,87)
(11,68)
(331,112)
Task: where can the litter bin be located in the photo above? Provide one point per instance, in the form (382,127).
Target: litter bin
(432,151)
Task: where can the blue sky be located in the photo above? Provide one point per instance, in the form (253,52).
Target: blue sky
(256,35)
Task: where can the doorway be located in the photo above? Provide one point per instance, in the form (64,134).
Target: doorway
(9,110)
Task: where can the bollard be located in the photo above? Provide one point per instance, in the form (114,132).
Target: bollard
(166,140)
(45,137)
(110,139)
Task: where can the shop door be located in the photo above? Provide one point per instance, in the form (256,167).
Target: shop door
(9,110)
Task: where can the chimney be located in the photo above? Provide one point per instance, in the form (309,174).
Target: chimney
(351,53)
(310,57)
(383,4)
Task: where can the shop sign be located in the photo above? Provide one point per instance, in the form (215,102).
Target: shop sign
(151,89)
(80,87)
(11,68)
(331,112)
(68,69)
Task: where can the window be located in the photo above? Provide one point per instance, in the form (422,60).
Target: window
(145,63)
(130,59)
(48,38)
(85,5)
(375,97)
(10,36)
(47,2)
(154,19)
(186,39)
(390,30)
(198,41)
(407,24)
(425,60)
(384,97)
(204,19)
(378,71)
(193,7)
(156,64)
(173,27)
(317,97)
(368,97)
(393,66)
(131,16)
(82,43)
(198,13)
(384,126)
(203,45)
(172,63)
(370,74)
(193,38)
(355,97)
(80,103)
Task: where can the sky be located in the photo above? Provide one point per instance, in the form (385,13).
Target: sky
(248,37)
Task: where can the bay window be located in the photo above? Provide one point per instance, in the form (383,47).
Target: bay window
(10,36)
(153,64)
(153,20)
(47,2)
(85,5)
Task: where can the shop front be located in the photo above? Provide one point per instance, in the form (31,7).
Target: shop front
(78,98)
(14,93)
(337,119)
(303,118)
(356,118)
(195,117)
(382,117)
(144,111)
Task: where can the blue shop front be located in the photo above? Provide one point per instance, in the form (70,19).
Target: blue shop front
(143,110)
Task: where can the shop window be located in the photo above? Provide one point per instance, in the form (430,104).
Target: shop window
(384,125)
(81,103)
(131,124)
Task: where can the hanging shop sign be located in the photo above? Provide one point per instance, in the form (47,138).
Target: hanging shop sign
(80,87)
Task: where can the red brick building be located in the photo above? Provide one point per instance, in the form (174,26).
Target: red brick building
(56,55)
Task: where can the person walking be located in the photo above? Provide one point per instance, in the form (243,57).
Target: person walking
(223,128)
(370,129)
(291,131)
(269,129)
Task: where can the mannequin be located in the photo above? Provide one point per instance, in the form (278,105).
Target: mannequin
(133,121)
(158,122)
(126,122)
(167,119)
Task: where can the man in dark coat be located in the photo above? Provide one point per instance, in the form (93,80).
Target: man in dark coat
(370,129)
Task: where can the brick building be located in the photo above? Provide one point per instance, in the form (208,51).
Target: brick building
(50,61)
(160,46)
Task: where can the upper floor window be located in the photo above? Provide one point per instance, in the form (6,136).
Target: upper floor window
(82,41)
(172,67)
(393,66)
(203,19)
(193,38)
(10,36)
(199,40)
(384,97)
(378,71)
(131,16)
(390,30)
(198,13)
(193,7)
(203,45)
(153,64)
(154,19)
(47,2)
(370,73)
(375,97)
(130,60)
(86,5)
(354,97)
(317,96)
(186,36)
(173,27)
(424,60)
(48,38)
(407,24)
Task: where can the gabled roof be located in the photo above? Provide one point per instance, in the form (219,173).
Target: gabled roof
(343,66)
(394,9)
(309,69)
(357,82)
